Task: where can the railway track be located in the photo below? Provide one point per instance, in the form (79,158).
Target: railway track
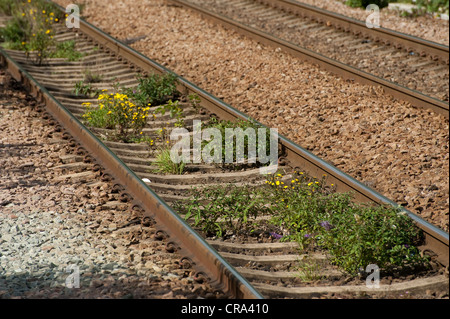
(57,210)
(407,67)
(140,184)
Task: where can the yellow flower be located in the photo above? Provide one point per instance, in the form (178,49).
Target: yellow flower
(47,32)
(278,183)
(43,11)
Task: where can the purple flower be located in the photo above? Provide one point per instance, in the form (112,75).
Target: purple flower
(307,236)
(276,236)
(326,225)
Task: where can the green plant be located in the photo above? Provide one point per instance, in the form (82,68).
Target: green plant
(166,165)
(311,213)
(98,116)
(365,3)
(39,35)
(8,6)
(39,44)
(244,127)
(14,33)
(224,210)
(31,28)
(355,235)
(308,270)
(175,111)
(142,139)
(195,101)
(372,235)
(440,6)
(91,77)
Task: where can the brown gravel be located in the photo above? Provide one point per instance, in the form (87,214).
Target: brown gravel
(397,149)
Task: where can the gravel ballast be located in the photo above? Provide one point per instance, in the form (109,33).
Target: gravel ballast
(399,150)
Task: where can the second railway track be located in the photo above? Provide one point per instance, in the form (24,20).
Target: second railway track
(174,187)
(412,69)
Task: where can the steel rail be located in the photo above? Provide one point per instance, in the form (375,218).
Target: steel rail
(408,42)
(348,72)
(205,259)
